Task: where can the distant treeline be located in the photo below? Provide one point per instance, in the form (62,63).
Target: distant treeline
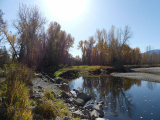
(48,48)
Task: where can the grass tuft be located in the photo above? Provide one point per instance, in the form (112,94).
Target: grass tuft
(49,95)
(17,93)
(52,107)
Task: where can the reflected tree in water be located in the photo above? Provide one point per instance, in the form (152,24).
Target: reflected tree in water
(113,91)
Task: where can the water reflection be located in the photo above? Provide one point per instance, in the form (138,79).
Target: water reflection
(151,85)
(113,92)
(123,98)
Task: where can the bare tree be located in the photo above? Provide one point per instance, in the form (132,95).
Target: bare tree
(123,37)
(2,24)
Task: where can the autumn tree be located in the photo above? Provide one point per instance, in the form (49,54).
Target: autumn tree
(7,36)
(28,24)
(57,47)
(83,46)
(108,49)
(101,37)
(89,46)
(126,54)
(136,56)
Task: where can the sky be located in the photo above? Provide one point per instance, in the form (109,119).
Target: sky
(81,18)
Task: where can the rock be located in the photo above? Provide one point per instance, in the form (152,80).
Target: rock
(58,80)
(79,114)
(78,102)
(45,80)
(97,114)
(66,118)
(65,84)
(91,102)
(40,87)
(101,102)
(100,119)
(64,95)
(58,118)
(52,81)
(98,111)
(73,93)
(94,114)
(85,112)
(98,107)
(72,108)
(84,96)
(89,107)
(46,76)
(38,95)
(76,91)
(101,112)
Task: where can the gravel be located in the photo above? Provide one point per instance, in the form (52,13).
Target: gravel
(147,74)
(39,82)
(152,70)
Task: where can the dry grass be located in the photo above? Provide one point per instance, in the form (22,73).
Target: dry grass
(17,93)
(52,107)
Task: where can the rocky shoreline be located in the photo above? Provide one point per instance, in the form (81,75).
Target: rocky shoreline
(80,104)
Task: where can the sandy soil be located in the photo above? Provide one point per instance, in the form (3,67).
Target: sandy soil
(148,74)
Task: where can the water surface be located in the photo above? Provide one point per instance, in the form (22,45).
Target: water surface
(124,98)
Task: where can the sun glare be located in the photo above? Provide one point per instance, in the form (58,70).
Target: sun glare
(66,10)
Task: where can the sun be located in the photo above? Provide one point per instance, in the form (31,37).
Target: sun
(66,10)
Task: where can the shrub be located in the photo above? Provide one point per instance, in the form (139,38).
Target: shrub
(17,93)
(19,72)
(47,109)
(18,102)
(52,107)
(49,95)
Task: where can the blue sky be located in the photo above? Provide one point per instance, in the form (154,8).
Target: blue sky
(143,16)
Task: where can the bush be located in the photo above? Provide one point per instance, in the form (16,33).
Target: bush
(47,109)
(20,73)
(52,107)
(17,93)
(49,95)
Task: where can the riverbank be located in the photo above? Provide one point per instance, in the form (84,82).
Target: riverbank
(151,74)
(87,71)
(80,68)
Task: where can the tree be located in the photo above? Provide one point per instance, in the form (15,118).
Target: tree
(57,47)
(123,37)
(28,24)
(108,49)
(2,24)
(4,56)
(101,37)
(83,46)
(90,45)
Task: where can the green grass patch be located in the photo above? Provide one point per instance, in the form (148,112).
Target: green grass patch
(80,68)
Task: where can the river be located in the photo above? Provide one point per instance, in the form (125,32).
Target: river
(124,98)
